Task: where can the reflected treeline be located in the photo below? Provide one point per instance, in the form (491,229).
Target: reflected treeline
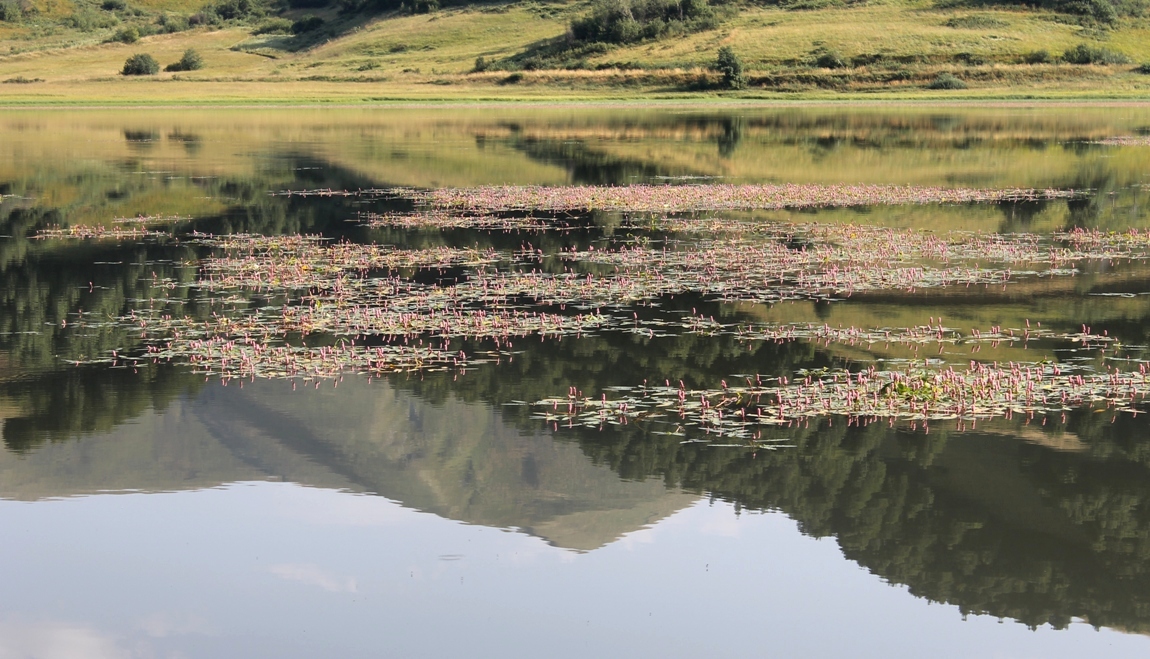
(1039,523)
(45,290)
(67,404)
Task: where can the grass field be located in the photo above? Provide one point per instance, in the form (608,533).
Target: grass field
(898,47)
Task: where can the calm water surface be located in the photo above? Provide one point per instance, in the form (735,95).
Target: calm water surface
(152,512)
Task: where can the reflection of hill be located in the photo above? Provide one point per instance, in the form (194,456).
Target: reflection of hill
(455,459)
(90,167)
(1019,529)
(1040,523)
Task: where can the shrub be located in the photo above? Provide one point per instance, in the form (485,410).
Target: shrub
(830,60)
(1102,11)
(946,81)
(426,6)
(1087,54)
(191,61)
(88,19)
(1038,57)
(229,10)
(481,64)
(729,64)
(976,22)
(169,23)
(1143,69)
(128,34)
(114,5)
(274,26)
(140,64)
(628,21)
(10,12)
(308,23)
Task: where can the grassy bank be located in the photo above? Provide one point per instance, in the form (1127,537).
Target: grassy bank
(892,50)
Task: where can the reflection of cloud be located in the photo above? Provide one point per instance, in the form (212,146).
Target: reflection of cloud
(56,640)
(345,509)
(162,625)
(644,536)
(725,524)
(313,575)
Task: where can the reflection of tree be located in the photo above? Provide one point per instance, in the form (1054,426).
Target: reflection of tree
(983,521)
(43,291)
(732,135)
(588,166)
(1018,216)
(64,404)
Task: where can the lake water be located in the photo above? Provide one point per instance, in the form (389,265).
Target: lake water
(157,500)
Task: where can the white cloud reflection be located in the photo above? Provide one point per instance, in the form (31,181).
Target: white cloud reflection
(314,575)
(57,640)
(164,625)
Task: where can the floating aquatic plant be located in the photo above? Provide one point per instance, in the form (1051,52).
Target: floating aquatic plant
(716,197)
(270,296)
(439,219)
(918,394)
(1124,140)
(688,197)
(97,232)
(151,220)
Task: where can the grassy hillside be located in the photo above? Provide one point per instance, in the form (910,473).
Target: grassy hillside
(73,50)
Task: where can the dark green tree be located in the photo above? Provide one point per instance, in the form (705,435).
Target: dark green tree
(729,64)
(191,61)
(141,64)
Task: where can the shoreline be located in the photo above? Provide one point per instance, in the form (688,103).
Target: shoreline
(400,102)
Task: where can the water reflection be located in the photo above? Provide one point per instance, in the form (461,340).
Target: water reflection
(456,459)
(1042,524)
(260,569)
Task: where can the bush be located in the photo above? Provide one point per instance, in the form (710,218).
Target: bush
(976,22)
(128,34)
(830,60)
(481,65)
(1143,69)
(88,19)
(1038,57)
(114,5)
(1102,11)
(628,21)
(946,81)
(274,26)
(229,10)
(140,64)
(10,12)
(191,61)
(729,64)
(169,23)
(308,23)
(426,6)
(1087,54)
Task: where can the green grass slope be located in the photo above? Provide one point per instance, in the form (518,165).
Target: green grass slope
(54,51)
